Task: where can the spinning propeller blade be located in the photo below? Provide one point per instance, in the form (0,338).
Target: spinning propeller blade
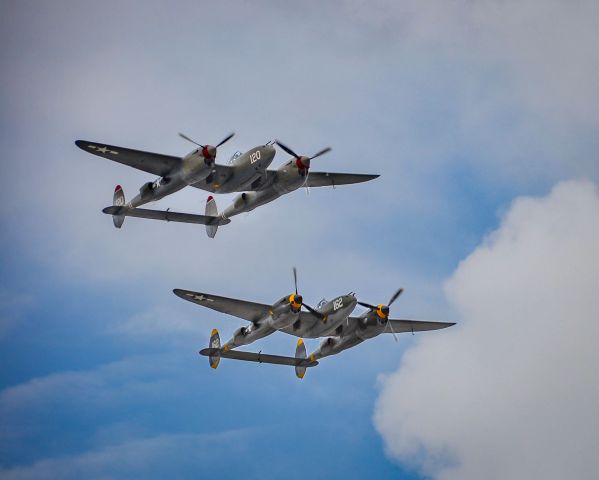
(226,139)
(307,307)
(391,328)
(367,305)
(212,154)
(295,278)
(394,297)
(185,137)
(300,157)
(313,311)
(287,149)
(322,152)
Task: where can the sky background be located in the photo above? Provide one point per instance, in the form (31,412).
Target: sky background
(481,118)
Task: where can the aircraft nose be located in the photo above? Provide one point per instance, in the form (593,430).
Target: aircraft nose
(350,301)
(268,151)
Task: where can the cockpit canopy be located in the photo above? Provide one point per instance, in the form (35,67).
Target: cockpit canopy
(235,156)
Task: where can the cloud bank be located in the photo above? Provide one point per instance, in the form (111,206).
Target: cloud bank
(511,392)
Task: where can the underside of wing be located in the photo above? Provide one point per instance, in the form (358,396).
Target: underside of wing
(401,325)
(250,311)
(154,163)
(262,183)
(213,182)
(324,179)
(306,322)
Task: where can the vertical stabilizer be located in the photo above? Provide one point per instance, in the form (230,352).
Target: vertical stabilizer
(300,352)
(211,211)
(214,343)
(118,200)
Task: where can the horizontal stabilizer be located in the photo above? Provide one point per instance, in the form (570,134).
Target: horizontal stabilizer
(259,357)
(165,215)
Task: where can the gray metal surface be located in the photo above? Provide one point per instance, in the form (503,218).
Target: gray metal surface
(330,321)
(250,311)
(258,357)
(154,163)
(165,215)
(247,173)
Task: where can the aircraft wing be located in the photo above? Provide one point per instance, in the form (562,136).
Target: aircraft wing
(404,325)
(154,163)
(325,179)
(222,173)
(401,326)
(238,308)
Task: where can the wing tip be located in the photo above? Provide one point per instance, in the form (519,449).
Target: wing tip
(370,176)
(446,325)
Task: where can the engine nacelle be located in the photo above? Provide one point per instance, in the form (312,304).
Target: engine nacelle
(195,168)
(147,189)
(327,346)
(239,335)
(247,201)
(244,200)
(285,311)
(369,327)
(334,345)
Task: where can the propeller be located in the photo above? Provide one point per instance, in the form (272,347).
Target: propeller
(300,299)
(383,310)
(302,161)
(208,151)
(295,278)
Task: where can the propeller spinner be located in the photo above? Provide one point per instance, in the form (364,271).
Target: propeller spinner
(383,310)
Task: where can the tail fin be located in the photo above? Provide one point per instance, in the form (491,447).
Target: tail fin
(214,343)
(118,200)
(300,352)
(211,211)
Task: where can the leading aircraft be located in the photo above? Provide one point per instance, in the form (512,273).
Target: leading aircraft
(247,173)
(331,320)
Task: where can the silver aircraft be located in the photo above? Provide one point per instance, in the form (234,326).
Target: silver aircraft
(331,320)
(247,173)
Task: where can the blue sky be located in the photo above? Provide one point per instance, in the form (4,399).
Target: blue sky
(460,107)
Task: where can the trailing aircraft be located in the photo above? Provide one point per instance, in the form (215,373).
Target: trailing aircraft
(247,173)
(330,320)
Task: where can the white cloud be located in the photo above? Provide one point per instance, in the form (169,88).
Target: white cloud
(407,89)
(153,457)
(105,384)
(511,392)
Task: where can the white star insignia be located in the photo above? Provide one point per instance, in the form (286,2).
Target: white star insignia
(102,149)
(201,298)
